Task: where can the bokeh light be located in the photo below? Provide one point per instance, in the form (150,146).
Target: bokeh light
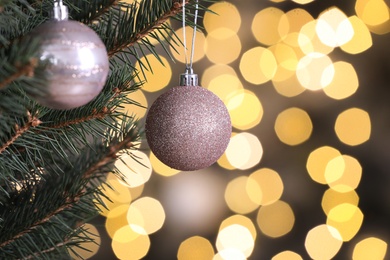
(130,245)
(139,108)
(195,248)
(310,42)
(287,255)
(343,173)
(244,151)
(265,25)
(228,17)
(315,71)
(245,109)
(116,219)
(323,242)
(154,81)
(235,237)
(333,27)
(347,219)
(291,23)
(223,51)
(370,248)
(135,168)
(237,197)
(224,86)
(276,219)
(345,81)
(332,198)
(240,220)
(293,126)
(270,186)
(146,215)
(361,40)
(318,161)
(353,126)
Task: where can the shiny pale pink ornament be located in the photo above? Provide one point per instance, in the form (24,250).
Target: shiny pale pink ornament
(76,61)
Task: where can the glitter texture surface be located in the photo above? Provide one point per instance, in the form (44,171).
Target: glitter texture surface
(188,128)
(77,63)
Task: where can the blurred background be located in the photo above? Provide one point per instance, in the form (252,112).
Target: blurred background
(306,173)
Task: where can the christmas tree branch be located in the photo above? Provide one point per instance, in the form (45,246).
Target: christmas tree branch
(72,199)
(94,115)
(173,11)
(22,70)
(31,122)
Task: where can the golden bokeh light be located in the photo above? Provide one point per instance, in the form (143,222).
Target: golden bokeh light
(270,185)
(136,110)
(116,219)
(146,215)
(370,248)
(214,71)
(291,23)
(318,161)
(224,86)
(372,12)
(245,109)
(287,255)
(361,40)
(333,27)
(155,79)
(114,195)
(345,81)
(353,126)
(347,219)
(90,248)
(195,247)
(315,71)
(235,237)
(161,168)
(236,195)
(343,173)
(240,220)
(310,42)
(265,25)
(323,242)
(136,168)
(258,65)
(223,51)
(293,126)
(332,198)
(286,82)
(276,219)
(244,151)
(199,48)
(285,55)
(223,15)
(302,2)
(129,245)
(229,254)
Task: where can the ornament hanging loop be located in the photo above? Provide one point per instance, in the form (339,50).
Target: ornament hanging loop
(189,78)
(60,11)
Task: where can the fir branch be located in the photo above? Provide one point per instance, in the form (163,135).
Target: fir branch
(175,9)
(26,69)
(32,121)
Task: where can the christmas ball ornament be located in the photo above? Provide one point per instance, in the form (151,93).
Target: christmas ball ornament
(188,127)
(75,58)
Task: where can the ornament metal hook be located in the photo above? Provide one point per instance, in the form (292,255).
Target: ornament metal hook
(189,78)
(60,11)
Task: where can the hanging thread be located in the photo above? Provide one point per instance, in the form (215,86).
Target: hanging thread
(189,65)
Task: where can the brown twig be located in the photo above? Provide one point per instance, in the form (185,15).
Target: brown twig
(32,122)
(175,9)
(95,115)
(25,70)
